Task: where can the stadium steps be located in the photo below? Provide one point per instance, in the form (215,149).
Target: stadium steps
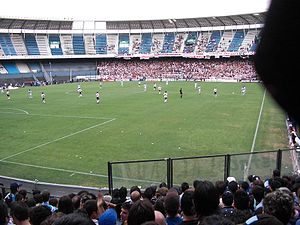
(18,42)
(157,43)
(89,41)
(42,42)
(66,44)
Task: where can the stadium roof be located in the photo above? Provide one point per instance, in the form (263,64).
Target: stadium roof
(136,10)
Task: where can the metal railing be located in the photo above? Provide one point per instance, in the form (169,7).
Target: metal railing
(174,171)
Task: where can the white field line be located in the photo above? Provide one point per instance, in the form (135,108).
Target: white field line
(58,139)
(254,137)
(21,110)
(74,172)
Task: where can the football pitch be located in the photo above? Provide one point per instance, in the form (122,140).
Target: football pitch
(70,139)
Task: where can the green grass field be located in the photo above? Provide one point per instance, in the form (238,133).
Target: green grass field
(70,139)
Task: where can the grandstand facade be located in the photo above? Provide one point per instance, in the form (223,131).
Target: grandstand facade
(30,48)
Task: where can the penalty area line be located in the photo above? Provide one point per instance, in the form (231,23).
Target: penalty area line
(56,140)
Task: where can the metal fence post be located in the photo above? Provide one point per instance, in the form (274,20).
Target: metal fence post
(110,180)
(227,166)
(169,172)
(279,159)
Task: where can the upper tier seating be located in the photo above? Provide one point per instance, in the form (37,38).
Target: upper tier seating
(190,42)
(214,41)
(123,44)
(55,44)
(31,45)
(101,44)
(78,44)
(146,43)
(236,41)
(168,43)
(7,45)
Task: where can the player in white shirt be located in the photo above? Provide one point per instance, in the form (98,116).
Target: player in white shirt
(122,82)
(243,90)
(43,97)
(199,89)
(195,85)
(80,92)
(215,92)
(145,87)
(165,96)
(159,90)
(154,86)
(29,93)
(167,81)
(7,94)
(97,97)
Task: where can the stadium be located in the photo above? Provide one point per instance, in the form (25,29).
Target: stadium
(92,104)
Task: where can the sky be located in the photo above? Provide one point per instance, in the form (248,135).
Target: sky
(109,10)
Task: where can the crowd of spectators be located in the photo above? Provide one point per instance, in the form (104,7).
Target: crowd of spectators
(190,69)
(255,201)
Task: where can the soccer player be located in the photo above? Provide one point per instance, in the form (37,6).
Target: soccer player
(29,93)
(215,92)
(43,97)
(139,83)
(80,92)
(97,97)
(199,89)
(100,84)
(165,97)
(180,92)
(122,82)
(159,90)
(7,94)
(154,86)
(145,87)
(243,90)
(195,85)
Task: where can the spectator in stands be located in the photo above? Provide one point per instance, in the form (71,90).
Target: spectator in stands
(46,198)
(172,208)
(216,220)
(258,194)
(279,204)
(65,205)
(109,217)
(206,199)
(38,214)
(124,212)
(90,206)
(73,219)
(227,199)
(4,218)
(140,212)
(135,196)
(11,196)
(188,209)
(160,219)
(19,213)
